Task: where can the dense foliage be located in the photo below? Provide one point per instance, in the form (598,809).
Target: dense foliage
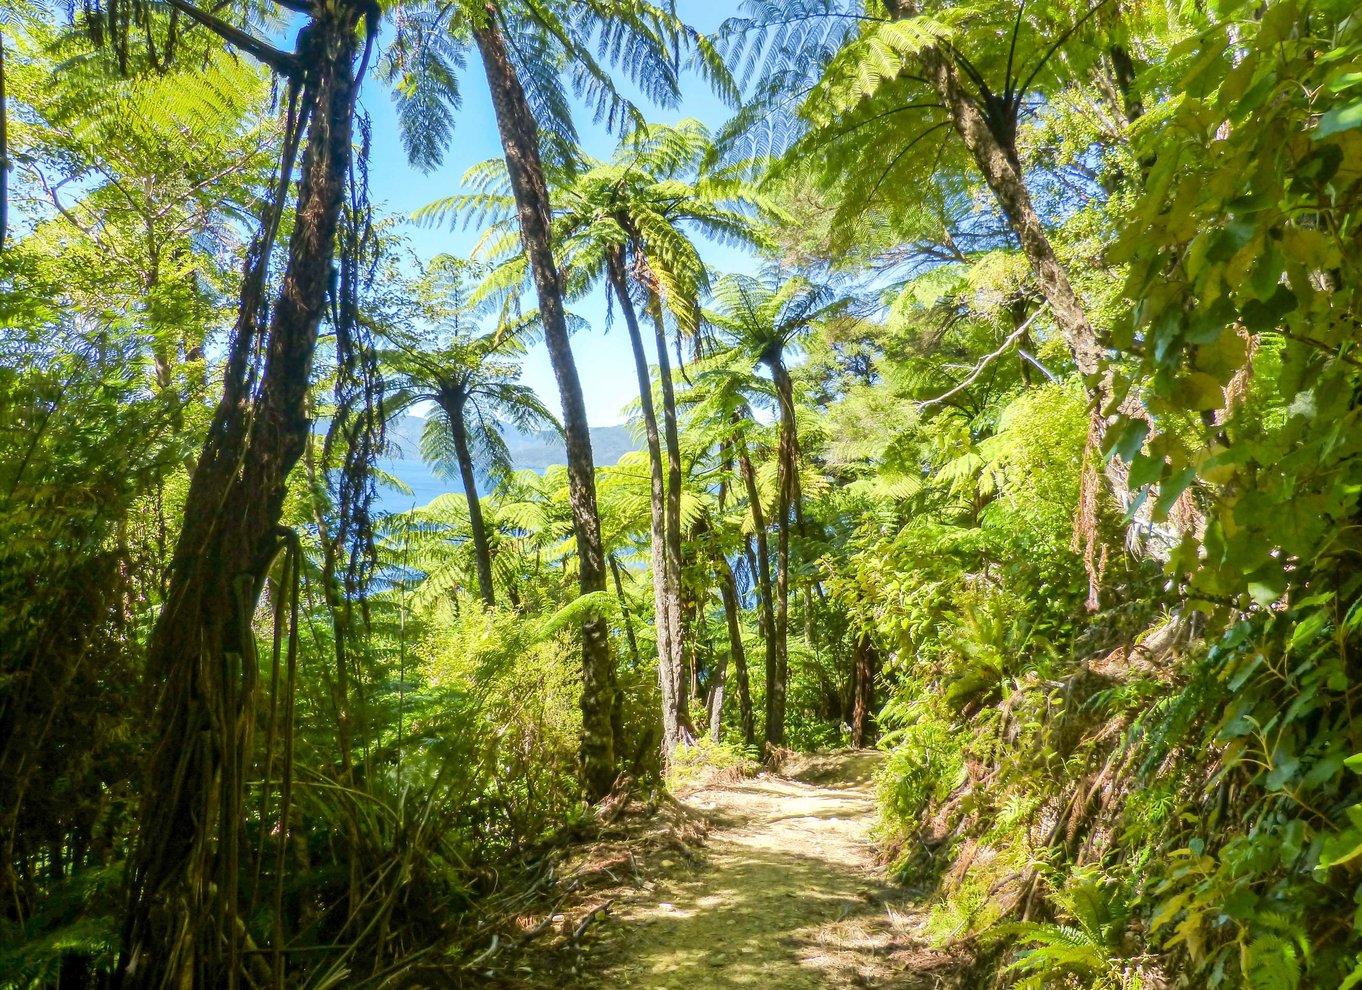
(1027,442)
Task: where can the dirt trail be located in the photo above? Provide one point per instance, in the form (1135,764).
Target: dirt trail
(786,896)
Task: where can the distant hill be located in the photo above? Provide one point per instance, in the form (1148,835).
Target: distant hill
(535,451)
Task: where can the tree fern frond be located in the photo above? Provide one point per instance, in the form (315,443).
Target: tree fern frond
(437,446)
(423,66)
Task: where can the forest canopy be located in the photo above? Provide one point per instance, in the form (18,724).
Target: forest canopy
(992,383)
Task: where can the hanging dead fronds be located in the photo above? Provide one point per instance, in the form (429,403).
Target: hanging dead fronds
(1086,539)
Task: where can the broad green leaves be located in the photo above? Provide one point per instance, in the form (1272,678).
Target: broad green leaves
(1241,282)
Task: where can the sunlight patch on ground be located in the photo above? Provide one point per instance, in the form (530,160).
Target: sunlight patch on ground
(787,897)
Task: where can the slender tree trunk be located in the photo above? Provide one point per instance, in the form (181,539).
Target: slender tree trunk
(865,668)
(995,155)
(626,612)
(787,464)
(520,142)
(671,434)
(1124,72)
(676,728)
(182,925)
(689,611)
(998,164)
(482,549)
(766,593)
(715,708)
(728,590)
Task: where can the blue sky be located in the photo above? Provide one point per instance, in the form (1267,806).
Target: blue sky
(603,357)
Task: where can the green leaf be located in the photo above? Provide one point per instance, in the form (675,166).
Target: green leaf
(1130,439)
(1342,847)
(1172,490)
(1198,391)
(1258,315)
(1339,119)
(1267,584)
(1310,628)
(1284,770)
(1353,979)
(1207,325)
(1145,470)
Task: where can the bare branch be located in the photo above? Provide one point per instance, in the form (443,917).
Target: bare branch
(988,359)
(282,62)
(1043,370)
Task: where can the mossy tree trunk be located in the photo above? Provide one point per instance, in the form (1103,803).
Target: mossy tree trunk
(676,727)
(182,927)
(456,411)
(787,464)
(520,142)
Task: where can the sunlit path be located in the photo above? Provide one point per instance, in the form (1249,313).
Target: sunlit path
(787,897)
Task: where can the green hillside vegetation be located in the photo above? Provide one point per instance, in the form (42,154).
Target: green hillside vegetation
(1024,447)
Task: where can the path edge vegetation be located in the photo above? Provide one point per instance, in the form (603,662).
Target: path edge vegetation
(1026,449)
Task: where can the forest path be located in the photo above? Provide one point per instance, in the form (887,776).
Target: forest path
(787,895)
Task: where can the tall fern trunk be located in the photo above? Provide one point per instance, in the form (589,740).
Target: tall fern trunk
(728,591)
(778,676)
(865,668)
(718,682)
(675,559)
(676,727)
(996,159)
(995,155)
(520,142)
(762,566)
(182,927)
(626,612)
(482,548)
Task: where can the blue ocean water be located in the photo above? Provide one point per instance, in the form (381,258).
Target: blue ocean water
(417,476)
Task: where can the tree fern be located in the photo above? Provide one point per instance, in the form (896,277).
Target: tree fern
(1090,946)
(1270,962)
(557,51)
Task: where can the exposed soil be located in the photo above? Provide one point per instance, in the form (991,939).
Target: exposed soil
(784,893)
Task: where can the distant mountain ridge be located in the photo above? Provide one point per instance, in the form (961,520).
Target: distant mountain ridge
(534,451)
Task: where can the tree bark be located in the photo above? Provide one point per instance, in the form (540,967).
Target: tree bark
(674,556)
(520,142)
(1124,71)
(482,549)
(625,612)
(777,679)
(865,668)
(998,164)
(728,590)
(676,727)
(763,576)
(182,926)
(715,707)
(995,155)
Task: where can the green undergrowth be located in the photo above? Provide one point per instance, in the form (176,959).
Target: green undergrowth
(705,761)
